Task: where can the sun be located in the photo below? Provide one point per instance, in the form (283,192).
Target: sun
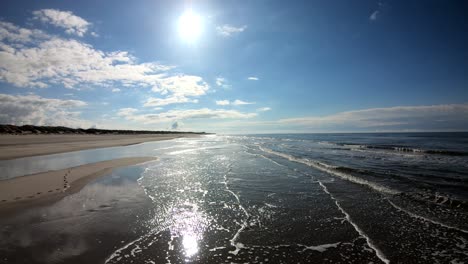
(190,26)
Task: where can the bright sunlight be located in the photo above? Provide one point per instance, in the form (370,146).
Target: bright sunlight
(190,26)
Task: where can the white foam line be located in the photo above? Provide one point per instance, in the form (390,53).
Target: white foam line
(117,252)
(190,150)
(263,157)
(320,248)
(238,246)
(330,170)
(425,219)
(272,161)
(378,253)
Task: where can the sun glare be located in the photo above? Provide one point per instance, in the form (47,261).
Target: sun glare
(190,26)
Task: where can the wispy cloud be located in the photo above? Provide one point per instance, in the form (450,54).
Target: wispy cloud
(173,115)
(263,109)
(126,111)
(374,15)
(181,85)
(434,117)
(64,19)
(253,78)
(223,102)
(17,36)
(240,102)
(222,82)
(168,100)
(37,110)
(450,117)
(116,90)
(235,102)
(229,30)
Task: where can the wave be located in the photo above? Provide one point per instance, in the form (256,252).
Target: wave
(425,218)
(333,170)
(437,199)
(404,149)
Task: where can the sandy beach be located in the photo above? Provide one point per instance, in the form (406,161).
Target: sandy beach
(18,146)
(53,185)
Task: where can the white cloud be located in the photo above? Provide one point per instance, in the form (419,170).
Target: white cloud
(71,63)
(31,58)
(229,30)
(36,110)
(127,111)
(115,90)
(240,102)
(263,109)
(374,15)
(222,82)
(182,85)
(203,113)
(431,117)
(252,78)
(167,101)
(223,102)
(235,102)
(14,35)
(64,19)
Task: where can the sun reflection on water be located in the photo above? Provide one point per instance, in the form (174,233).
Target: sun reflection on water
(189,224)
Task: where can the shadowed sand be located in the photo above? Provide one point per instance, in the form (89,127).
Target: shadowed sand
(52,185)
(18,146)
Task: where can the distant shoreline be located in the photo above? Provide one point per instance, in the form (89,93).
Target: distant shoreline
(60,130)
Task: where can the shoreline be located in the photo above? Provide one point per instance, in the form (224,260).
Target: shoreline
(46,187)
(21,146)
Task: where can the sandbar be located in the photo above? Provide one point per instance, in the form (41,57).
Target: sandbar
(53,185)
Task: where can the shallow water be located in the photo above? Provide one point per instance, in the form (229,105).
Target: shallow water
(364,198)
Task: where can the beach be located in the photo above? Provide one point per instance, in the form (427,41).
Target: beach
(48,186)
(18,146)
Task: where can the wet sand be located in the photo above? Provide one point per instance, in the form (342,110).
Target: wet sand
(18,146)
(52,185)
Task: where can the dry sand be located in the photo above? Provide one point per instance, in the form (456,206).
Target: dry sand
(17,146)
(53,185)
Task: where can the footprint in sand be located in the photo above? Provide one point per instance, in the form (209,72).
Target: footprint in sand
(32,196)
(38,193)
(17,198)
(50,190)
(4,201)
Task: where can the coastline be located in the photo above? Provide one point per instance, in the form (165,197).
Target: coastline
(20,146)
(50,186)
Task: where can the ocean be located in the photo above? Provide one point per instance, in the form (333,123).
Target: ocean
(283,198)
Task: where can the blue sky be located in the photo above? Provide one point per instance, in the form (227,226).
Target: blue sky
(254,66)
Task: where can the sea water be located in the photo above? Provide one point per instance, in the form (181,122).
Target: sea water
(291,198)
